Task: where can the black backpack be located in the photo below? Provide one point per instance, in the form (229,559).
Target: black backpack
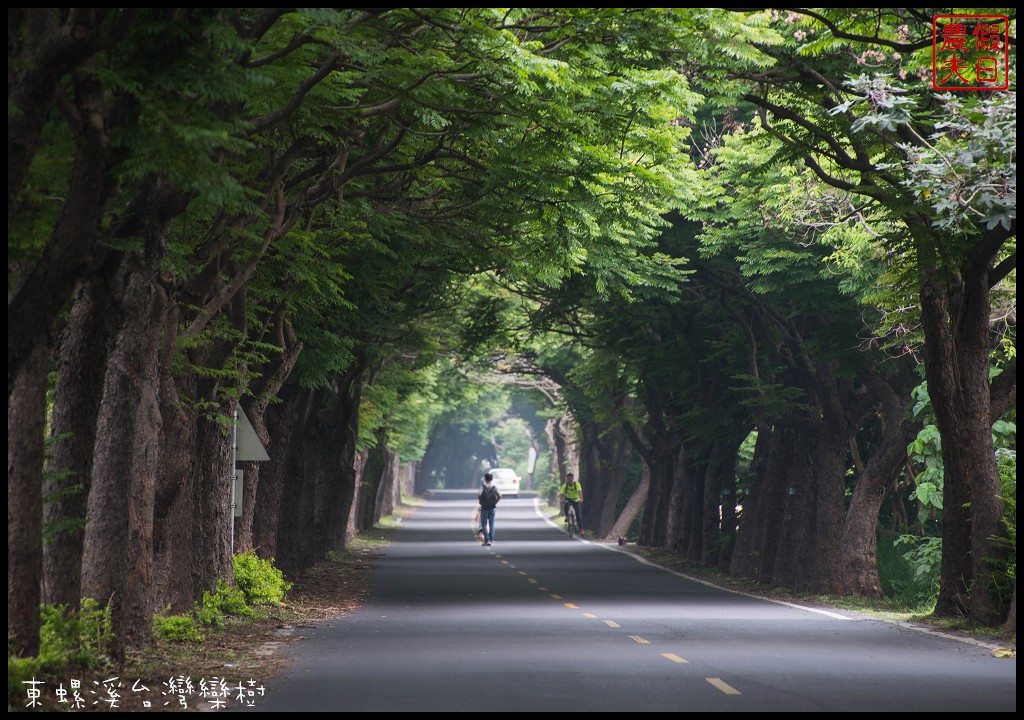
(489,497)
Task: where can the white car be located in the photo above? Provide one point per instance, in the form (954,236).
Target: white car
(506,480)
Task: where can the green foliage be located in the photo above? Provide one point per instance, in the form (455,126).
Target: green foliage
(226,600)
(927,449)
(79,638)
(177,628)
(1005,575)
(259,580)
(918,588)
(512,445)
(965,170)
(19,671)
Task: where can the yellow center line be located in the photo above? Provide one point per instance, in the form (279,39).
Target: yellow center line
(723,686)
(556,597)
(589,615)
(611,624)
(674,658)
(543,589)
(571,606)
(640,640)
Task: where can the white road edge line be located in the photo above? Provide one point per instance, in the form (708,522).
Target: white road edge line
(899,623)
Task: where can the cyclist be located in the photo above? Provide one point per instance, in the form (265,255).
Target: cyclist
(571,493)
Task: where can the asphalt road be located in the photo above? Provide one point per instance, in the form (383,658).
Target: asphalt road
(540,622)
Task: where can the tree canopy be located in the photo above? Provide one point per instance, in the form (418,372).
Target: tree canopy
(661,236)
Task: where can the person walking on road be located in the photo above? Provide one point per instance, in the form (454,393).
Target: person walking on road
(488,497)
(571,493)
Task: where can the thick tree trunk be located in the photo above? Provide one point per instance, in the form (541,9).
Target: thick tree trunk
(633,506)
(194,530)
(622,458)
(718,511)
(80,363)
(256,410)
(762,504)
(825,544)
(360,467)
(286,423)
(407,480)
(26,412)
(319,491)
(604,473)
(656,526)
(687,499)
(340,493)
(425,471)
(957,365)
(117,564)
(41,294)
(859,560)
(567,449)
(1010,627)
(795,482)
(387,490)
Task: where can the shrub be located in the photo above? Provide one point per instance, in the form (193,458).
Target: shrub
(69,637)
(261,582)
(226,600)
(177,628)
(919,589)
(19,671)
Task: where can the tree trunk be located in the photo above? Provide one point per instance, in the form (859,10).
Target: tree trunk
(117,563)
(859,559)
(360,467)
(256,410)
(633,506)
(26,413)
(718,511)
(795,482)
(825,544)
(656,526)
(41,294)
(604,474)
(286,423)
(387,490)
(1010,627)
(687,499)
(407,480)
(758,534)
(81,360)
(956,325)
(567,449)
(319,490)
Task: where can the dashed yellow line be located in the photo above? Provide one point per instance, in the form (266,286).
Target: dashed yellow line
(611,624)
(589,615)
(674,658)
(571,606)
(532,581)
(723,686)
(639,640)
(556,597)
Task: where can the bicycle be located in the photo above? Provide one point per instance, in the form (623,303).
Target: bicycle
(571,523)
